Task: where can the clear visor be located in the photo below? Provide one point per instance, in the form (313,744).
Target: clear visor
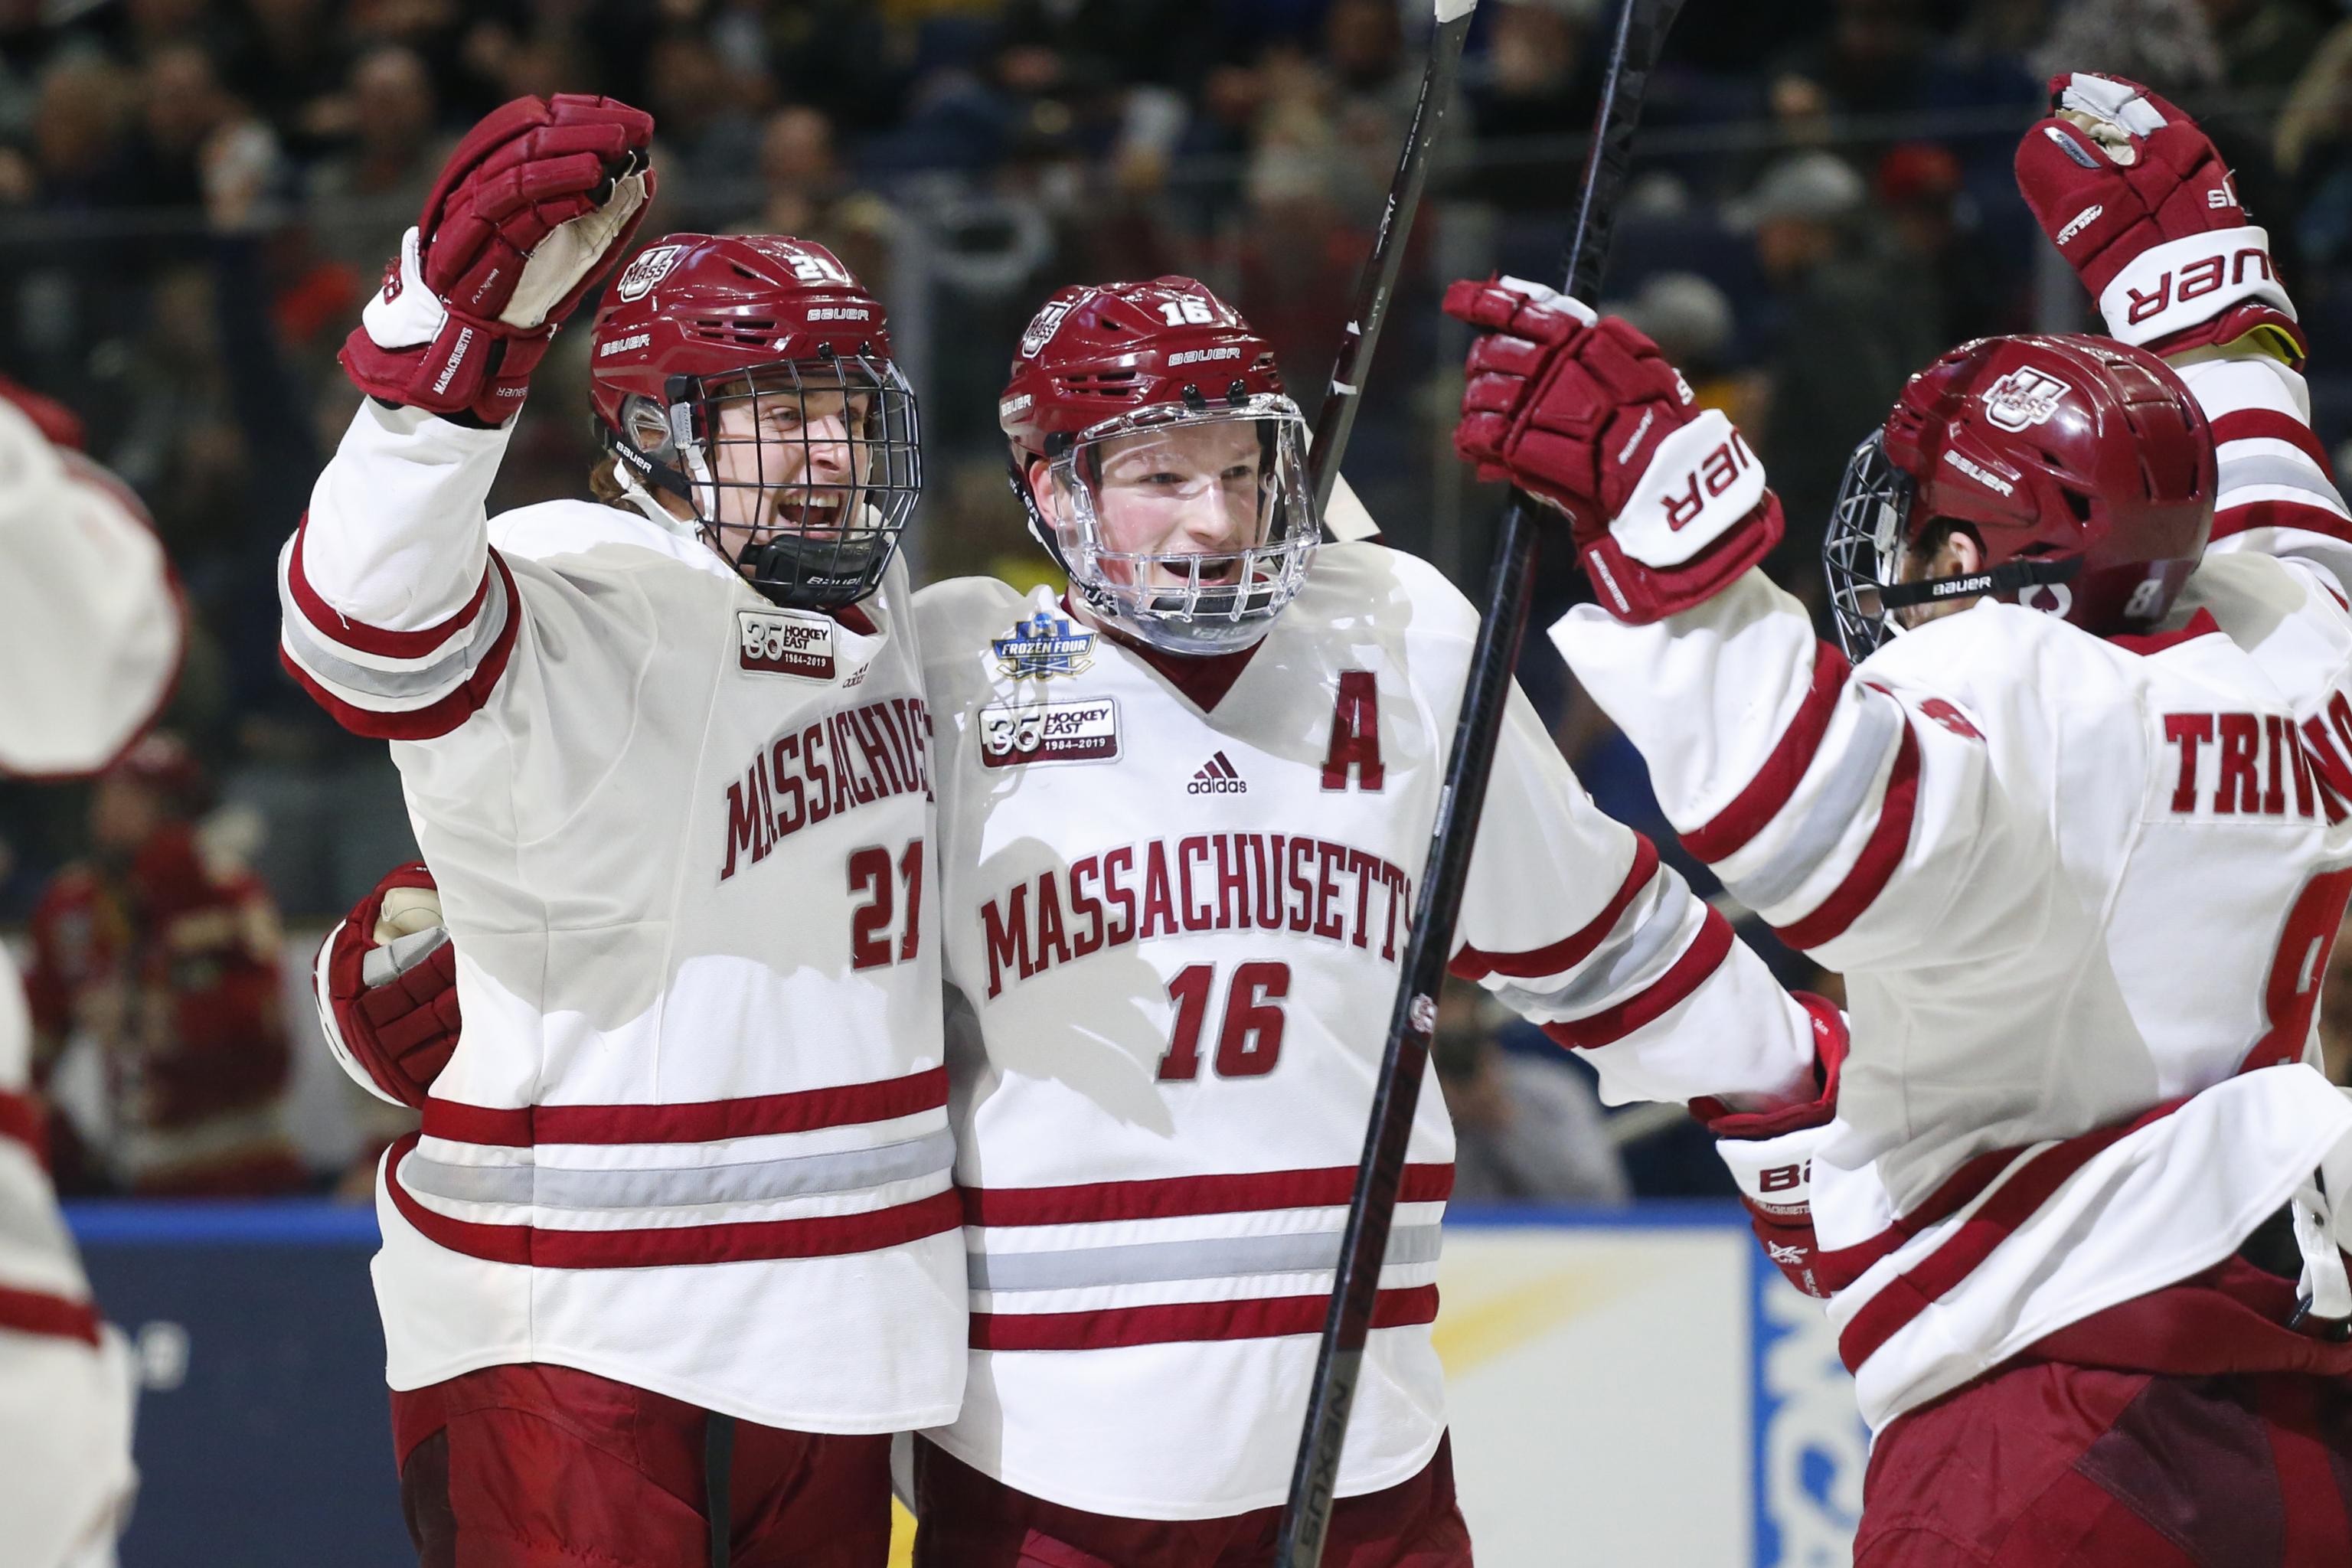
(1864,550)
(1190,528)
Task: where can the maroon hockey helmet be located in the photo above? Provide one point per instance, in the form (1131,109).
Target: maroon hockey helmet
(1178,501)
(2083,465)
(819,482)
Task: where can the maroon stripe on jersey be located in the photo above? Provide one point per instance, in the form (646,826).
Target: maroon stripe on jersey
(2017,1200)
(38,1312)
(2201,623)
(2253,514)
(1264,1318)
(1874,866)
(1777,780)
(1837,1268)
(2269,423)
(698,1121)
(20,1121)
(336,626)
(1176,1195)
(541,1246)
(435,719)
(1700,960)
(1570,950)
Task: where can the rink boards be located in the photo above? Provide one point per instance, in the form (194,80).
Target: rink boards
(1627,1387)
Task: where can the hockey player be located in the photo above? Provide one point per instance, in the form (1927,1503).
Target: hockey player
(90,633)
(667,756)
(2075,829)
(1184,811)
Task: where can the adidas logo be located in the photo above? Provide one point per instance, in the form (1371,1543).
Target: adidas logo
(1217,776)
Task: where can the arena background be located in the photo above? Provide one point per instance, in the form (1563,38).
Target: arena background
(195,195)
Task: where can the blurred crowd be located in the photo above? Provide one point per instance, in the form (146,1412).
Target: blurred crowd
(196,194)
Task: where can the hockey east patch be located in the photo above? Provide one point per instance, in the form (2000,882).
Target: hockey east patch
(1013,734)
(777,642)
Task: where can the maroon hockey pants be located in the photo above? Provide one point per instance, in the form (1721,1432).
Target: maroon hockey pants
(2049,1465)
(544,1466)
(968,1520)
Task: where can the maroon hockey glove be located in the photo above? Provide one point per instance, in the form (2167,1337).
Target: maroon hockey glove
(535,204)
(2135,198)
(1664,501)
(1770,1152)
(387,985)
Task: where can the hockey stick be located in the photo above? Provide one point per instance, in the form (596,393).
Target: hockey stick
(1378,281)
(1641,30)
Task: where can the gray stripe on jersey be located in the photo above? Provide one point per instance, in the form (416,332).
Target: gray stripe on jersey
(1617,965)
(320,657)
(1878,730)
(2290,473)
(1206,1257)
(802,1175)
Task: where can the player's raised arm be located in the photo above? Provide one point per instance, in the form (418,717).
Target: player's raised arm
(397,615)
(1844,813)
(1573,921)
(90,623)
(2137,200)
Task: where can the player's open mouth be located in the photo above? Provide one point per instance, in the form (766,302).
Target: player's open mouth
(809,516)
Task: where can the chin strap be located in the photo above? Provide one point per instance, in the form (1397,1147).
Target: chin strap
(634,492)
(2007,577)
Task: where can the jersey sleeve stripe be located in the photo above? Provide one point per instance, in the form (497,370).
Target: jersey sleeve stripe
(1698,962)
(2266,468)
(1188,1321)
(700,1122)
(1836,799)
(21,1122)
(1565,954)
(433,720)
(378,640)
(1175,1196)
(1765,794)
(2269,424)
(2269,509)
(57,1317)
(1874,866)
(406,683)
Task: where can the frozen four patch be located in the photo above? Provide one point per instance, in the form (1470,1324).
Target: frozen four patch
(1043,645)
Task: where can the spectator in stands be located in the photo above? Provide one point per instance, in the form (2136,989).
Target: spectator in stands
(373,188)
(1533,85)
(162,953)
(1526,1127)
(1841,340)
(2263,43)
(1938,249)
(706,135)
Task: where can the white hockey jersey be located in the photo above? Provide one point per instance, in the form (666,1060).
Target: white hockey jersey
(1177,895)
(2082,891)
(693,1137)
(90,635)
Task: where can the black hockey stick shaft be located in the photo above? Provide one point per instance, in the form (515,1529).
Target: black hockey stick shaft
(1377,284)
(1641,30)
